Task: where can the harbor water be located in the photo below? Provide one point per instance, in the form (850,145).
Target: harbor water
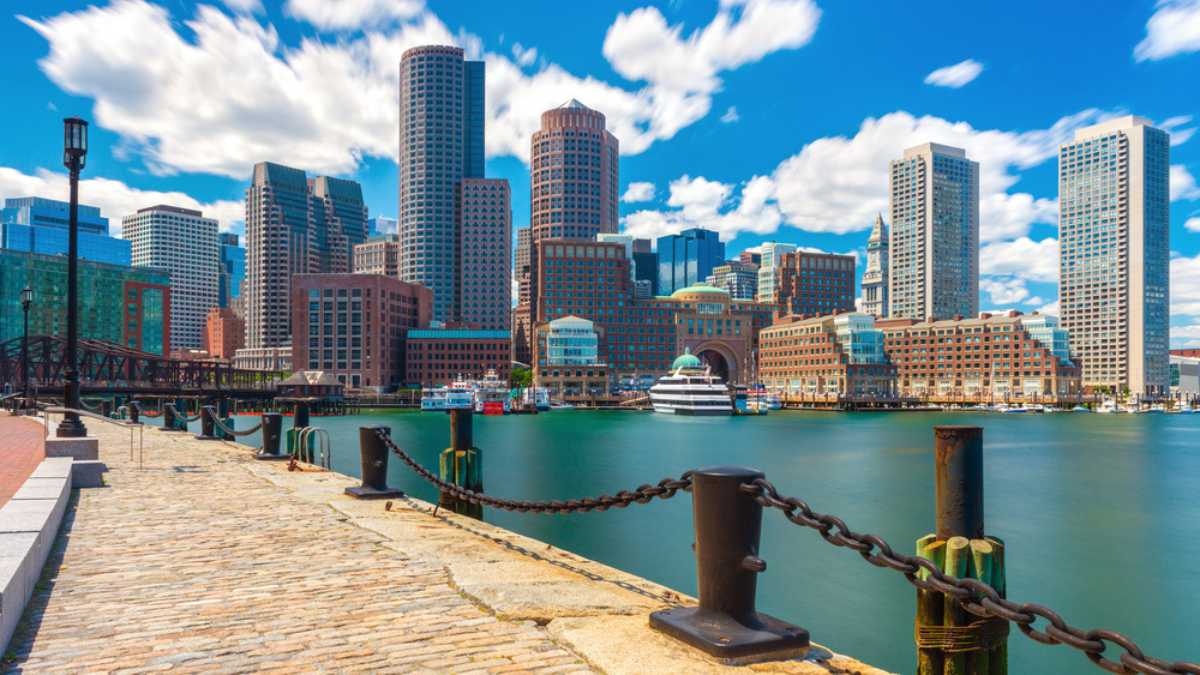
(1100,513)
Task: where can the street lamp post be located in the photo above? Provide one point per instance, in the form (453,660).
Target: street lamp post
(26,301)
(74,157)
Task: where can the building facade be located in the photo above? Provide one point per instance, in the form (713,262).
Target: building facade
(521,266)
(686,259)
(224,333)
(354,326)
(126,306)
(567,360)
(814,284)
(232,258)
(1114,260)
(37,225)
(441,143)
(737,277)
(438,356)
(183,243)
(992,358)
(768,268)
(378,255)
(836,358)
(485,252)
(933,247)
(341,219)
(875,277)
(382,226)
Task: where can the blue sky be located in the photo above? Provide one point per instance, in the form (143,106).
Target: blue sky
(764,119)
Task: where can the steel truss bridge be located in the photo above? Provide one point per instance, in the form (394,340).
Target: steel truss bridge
(107,368)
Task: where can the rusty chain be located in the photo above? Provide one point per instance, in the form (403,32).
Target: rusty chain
(972,595)
(212,413)
(643,494)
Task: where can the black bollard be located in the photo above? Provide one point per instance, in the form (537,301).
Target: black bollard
(168,413)
(106,407)
(208,428)
(135,411)
(181,414)
(272,431)
(374,457)
(300,415)
(726,625)
(226,419)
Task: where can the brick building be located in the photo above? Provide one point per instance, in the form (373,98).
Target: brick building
(378,255)
(989,358)
(224,333)
(438,356)
(814,284)
(485,252)
(353,326)
(833,358)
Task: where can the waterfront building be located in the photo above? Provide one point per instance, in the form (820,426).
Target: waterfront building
(274,359)
(485,253)
(183,243)
(567,360)
(1114,260)
(834,358)
(687,258)
(378,255)
(354,326)
(984,359)
(439,356)
(38,225)
(813,284)
(128,306)
(441,143)
(1185,376)
(311,384)
(875,277)
(737,277)
(293,226)
(769,258)
(933,247)
(382,226)
(224,333)
(232,259)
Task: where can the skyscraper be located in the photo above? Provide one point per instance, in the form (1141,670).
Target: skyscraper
(934,243)
(687,258)
(485,251)
(768,268)
(232,268)
(875,277)
(38,225)
(441,143)
(183,243)
(1114,263)
(341,222)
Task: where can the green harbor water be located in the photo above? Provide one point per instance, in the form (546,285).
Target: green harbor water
(1100,513)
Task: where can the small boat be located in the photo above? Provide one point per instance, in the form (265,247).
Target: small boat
(458,396)
(1108,407)
(491,395)
(1081,408)
(538,397)
(691,389)
(561,405)
(1016,409)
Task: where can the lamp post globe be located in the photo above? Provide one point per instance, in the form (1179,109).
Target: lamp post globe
(75,142)
(26,302)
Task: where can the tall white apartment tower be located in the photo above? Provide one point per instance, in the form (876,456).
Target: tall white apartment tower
(933,249)
(768,268)
(875,277)
(183,243)
(1114,260)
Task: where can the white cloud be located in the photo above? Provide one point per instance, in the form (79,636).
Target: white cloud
(1183,184)
(638,192)
(731,115)
(244,6)
(1023,257)
(114,198)
(1050,308)
(1174,28)
(700,202)
(523,56)
(955,76)
(352,14)
(1177,127)
(1006,291)
(1185,286)
(1192,224)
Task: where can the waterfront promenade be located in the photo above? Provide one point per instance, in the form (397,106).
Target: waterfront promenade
(208,560)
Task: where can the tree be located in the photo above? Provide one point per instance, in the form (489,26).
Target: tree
(521,377)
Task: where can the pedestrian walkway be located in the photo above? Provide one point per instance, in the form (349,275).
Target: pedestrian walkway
(20,452)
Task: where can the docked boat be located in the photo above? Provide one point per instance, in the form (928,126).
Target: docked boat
(456,396)
(538,397)
(491,395)
(691,389)
(1081,408)
(1108,407)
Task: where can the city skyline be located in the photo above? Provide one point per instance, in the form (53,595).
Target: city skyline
(818,181)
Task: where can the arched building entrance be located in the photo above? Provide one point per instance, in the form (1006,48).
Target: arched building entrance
(716,363)
(719,357)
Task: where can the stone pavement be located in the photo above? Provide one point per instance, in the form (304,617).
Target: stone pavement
(207,560)
(20,452)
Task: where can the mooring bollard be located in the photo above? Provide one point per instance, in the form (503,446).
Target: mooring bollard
(374,457)
(207,426)
(272,432)
(461,464)
(168,413)
(135,411)
(226,419)
(300,413)
(726,625)
(106,407)
(950,641)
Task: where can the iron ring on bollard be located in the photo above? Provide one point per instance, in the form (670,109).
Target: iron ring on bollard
(726,625)
(374,457)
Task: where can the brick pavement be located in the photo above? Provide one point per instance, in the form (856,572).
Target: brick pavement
(197,564)
(21,449)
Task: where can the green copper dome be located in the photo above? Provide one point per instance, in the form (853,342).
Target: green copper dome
(686,360)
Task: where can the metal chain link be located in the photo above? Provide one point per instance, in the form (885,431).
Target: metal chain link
(643,494)
(181,415)
(972,595)
(230,430)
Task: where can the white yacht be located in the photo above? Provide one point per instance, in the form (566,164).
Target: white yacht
(538,397)
(691,389)
(458,396)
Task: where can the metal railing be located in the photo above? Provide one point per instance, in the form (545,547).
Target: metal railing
(132,426)
(304,452)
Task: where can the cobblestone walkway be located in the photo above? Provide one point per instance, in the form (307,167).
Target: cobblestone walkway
(194,563)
